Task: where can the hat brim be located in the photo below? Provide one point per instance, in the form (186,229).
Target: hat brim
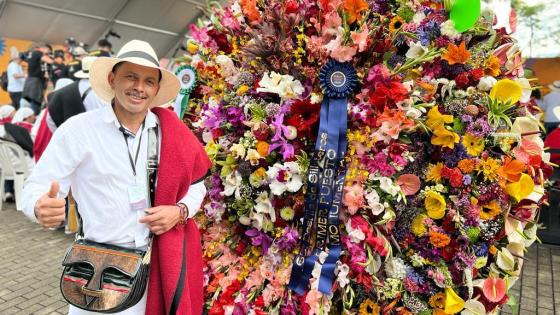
(81,75)
(553,87)
(99,78)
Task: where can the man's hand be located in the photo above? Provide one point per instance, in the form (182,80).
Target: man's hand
(49,209)
(161,219)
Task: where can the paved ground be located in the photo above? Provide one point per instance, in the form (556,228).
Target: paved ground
(30,267)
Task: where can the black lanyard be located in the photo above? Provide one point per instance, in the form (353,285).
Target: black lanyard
(127,134)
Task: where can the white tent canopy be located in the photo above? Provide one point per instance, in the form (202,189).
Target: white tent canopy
(163,23)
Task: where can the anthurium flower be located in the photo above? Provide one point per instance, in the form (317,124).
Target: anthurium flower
(435,205)
(522,188)
(436,119)
(474,307)
(511,169)
(505,260)
(506,90)
(494,289)
(410,184)
(445,138)
(453,303)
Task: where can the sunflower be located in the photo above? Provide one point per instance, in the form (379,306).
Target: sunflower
(490,211)
(489,168)
(473,144)
(395,24)
(433,173)
(368,307)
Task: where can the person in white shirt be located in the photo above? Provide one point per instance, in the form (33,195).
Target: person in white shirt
(16,77)
(102,155)
(548,104)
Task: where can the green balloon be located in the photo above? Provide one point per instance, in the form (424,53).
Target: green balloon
(464,14)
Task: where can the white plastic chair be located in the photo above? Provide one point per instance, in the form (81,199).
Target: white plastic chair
(13,166)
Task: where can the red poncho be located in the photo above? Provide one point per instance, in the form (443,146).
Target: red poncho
(177,254)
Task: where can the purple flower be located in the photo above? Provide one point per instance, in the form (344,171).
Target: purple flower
(479,128)
(259,238)
(288,240)
(467,180)
(281,132)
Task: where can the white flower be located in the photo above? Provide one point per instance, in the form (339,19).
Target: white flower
(283,85)
(228,69)
(486,83)
(395,268)
(473,307)
(413,113)
(244,220)
(448,29)
(418,17)
(387,185)
(284,177)
(238,150)
(372,198)
(231,184)
(505,260)
(316,98)
(356,235)
(265,206)
(416,50)
(342,271)
(526,88)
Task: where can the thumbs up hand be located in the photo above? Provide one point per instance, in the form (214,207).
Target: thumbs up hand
(49,209)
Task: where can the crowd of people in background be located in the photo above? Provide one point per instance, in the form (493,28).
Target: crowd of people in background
(46,88)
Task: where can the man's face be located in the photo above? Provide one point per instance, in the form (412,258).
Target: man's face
(135,86)
(31,119)
(45,50)
(58,60)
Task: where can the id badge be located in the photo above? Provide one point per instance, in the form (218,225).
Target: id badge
(137,198)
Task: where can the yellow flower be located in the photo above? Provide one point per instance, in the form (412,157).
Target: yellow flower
(436,119)
(490,211)
(473,144)
(453,303)
(522,188)
(417,227)
(262,148)
(435,205)
(437,300)
(369,307)
(506,90)
(489,168)
(242,90)
(434,172)
(492,66)
(396,24)
(445,138)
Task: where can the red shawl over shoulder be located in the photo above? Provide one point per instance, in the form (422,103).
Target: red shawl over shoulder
(176,278)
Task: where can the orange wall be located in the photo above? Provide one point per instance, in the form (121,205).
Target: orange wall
(547,70)
(21,45)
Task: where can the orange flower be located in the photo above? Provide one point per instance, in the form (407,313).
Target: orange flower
(249,8)
(511,169)
(439,240)
(437,300)
(354,8)
(492,66)
(456,54)
(262,148)
(466,166)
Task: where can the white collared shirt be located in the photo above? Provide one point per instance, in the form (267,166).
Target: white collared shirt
(89,154)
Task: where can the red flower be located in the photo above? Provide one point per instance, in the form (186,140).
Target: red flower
(476,75)
(387,95)
(216,309)
(221,40)
(305,117)
(462,80)
(291,6)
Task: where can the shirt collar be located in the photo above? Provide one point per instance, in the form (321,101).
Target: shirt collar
(110,117)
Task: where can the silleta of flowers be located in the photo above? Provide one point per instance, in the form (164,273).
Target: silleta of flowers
(445,167)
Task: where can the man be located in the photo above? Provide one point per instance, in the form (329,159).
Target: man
(16,77)
(75,65)
(58,68)
(95,153)
(549,103)
(104,49)
(37,68)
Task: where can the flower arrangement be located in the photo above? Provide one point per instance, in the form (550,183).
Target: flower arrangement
(445,169)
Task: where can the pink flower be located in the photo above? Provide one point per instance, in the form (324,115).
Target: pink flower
(494,289)
(353,197)
(528,151)
(410,184)
(339,52)
(360,39)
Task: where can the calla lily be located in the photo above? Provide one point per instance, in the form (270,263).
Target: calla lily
(473,307)
(494,289)
(522,188)
(453,303)
(507,90)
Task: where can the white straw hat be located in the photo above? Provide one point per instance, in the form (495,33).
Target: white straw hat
(86,66)
(140,53)
(555,86)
